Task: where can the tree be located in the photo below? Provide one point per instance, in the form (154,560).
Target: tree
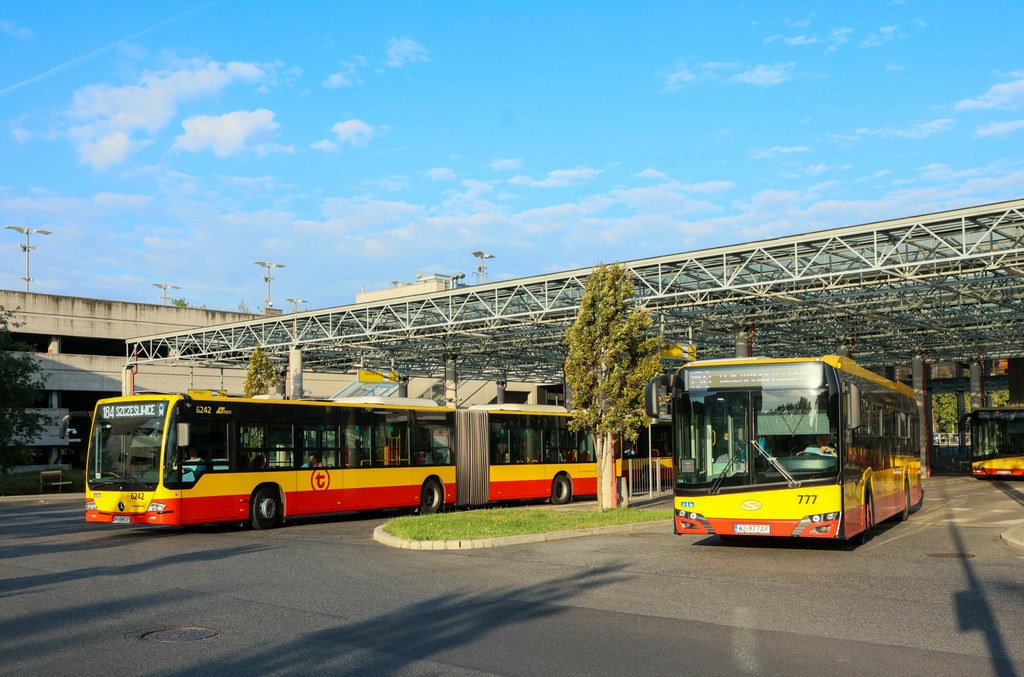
(612,356)
(261,377)
(21,386)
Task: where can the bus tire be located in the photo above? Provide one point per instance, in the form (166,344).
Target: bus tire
(265,510)
(869,518)
(561,490)
(431,497)
(902,516)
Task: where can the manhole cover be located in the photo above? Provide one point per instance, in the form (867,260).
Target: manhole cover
(177,634)
(950,555)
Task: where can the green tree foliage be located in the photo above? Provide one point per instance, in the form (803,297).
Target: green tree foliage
(944,412)
(261,377)
(612,356)
(21,386)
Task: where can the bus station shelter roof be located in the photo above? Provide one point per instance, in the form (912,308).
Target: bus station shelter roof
(948,286)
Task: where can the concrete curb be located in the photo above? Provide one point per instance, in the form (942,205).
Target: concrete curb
(42,499)
(471,544)
(1014,537)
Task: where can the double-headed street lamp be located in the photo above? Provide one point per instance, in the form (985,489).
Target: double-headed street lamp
(268,277)
(27,247)
(481,268)
(165,286)
(295,303)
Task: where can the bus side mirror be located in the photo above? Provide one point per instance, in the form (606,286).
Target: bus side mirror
(184,434)
(65,422)
(853,406)
(656,387)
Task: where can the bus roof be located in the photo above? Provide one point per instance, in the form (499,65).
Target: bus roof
(520,408)
(841,363)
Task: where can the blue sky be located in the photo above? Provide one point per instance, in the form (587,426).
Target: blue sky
(358,143)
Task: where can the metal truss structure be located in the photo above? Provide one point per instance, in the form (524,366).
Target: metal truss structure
(947,285)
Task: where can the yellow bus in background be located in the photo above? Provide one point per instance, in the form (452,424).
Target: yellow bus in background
(996,442)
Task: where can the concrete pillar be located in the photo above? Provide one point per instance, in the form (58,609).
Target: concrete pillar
(451,384)
(1015,379)
(918,371)
(295,390)
(501,392)
(977,386)
(128,380)
(403,386)
(742,343)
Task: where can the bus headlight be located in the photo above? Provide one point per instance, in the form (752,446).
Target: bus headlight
(90,505)
(156,507)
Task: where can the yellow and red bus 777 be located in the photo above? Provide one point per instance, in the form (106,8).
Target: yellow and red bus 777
(809,448)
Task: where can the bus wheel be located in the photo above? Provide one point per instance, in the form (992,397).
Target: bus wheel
(431,498)
(869,519)
(264,509)
(906,503)
(561,490)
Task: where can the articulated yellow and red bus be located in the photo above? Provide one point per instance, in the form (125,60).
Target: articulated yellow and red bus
(812,448)
(997,442)
(202,458)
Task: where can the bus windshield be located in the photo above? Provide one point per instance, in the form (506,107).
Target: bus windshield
(743,436)
(125,445)
(997,433)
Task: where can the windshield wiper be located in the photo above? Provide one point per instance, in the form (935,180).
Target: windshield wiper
(793,482)
(716,486)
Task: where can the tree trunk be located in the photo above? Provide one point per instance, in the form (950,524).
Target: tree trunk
(607,491)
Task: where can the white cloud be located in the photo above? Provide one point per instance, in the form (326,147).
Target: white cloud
(680,76)
(800,40)
(325,145)
(348,76)
(919,130)
(765,76)
(344,214)
(837,37)
(558,178)
(441,174)
(353,132)
(650,174)
(21,135)
(1006,95)
(999,128)
(15,31)
(503,164)
(108,118)
(401,51)
(227,134)
(337,81)
(884,34)
(774,151)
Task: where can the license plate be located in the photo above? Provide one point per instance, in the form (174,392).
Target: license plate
(1003,472)
(751,529)
(122,519)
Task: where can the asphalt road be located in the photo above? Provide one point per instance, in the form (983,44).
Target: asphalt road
(940,594)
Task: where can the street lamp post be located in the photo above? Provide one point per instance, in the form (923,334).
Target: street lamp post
(295,303)
(165,286)
(27,247)
(268,277)
(481,268)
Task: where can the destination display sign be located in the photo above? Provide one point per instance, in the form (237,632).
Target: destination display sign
(802,375)
(113,412)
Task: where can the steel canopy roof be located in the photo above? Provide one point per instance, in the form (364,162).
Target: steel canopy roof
(948,285)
